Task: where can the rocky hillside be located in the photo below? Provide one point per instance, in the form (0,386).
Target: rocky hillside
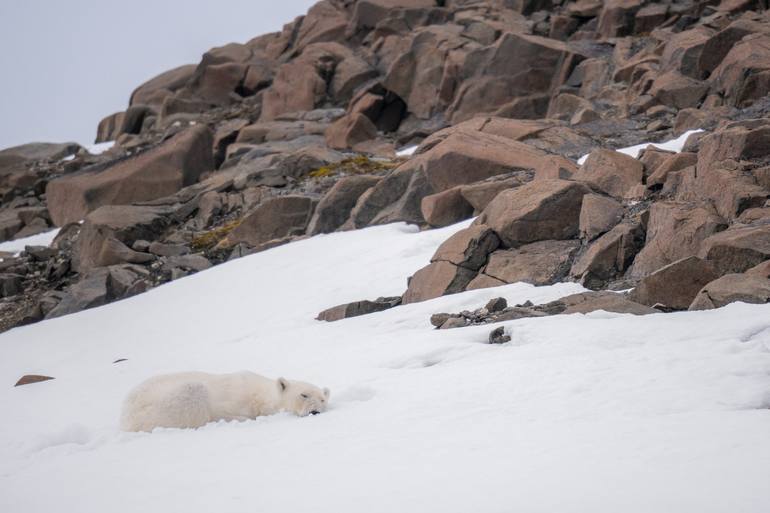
(296,133)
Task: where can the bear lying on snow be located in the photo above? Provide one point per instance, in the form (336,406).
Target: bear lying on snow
(192,399)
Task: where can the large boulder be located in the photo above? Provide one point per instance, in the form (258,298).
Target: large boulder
(674,231)
(397,197)
(435,280)
(159,172)
(275,218)
(586,302)
(468,248)
(737,249)
(614,173)
(598,215)
(539,263)
(608,257)
(157,89)
(516,65)
(101,286)
(335,207)
(446,208)
(109,232)
(744,74)
(730,288)
(480,194)
(675,285)
(539,210)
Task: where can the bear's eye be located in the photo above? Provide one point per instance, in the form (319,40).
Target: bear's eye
(304,396)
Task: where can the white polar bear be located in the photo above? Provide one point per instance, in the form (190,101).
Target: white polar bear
(192,399)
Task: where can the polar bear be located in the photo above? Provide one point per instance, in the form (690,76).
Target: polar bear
(192,399)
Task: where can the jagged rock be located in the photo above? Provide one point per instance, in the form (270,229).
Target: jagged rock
(153,174)
(336,205)
(101,286)
(274,218)
(719,177)
(540,210)
(445,208)
(162,249)
(675,285)
(674,231)
(516,65)
(358,308)
(468,248)
(539,263)
(744,74)
(737,249)
(108,233)
(609,256)
(480,194)
(10,284)
(496,305)
(671,164)
(349,131)
(731,288)
(617,17)
(586,302)
(28,379)
(435,280)
(186,262)
(397,197)
(678,91)
(598,215)
(157,89)
(614,173)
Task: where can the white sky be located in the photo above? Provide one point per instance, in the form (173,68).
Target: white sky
(64,65)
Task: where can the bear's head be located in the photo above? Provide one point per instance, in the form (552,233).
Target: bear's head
(302,398)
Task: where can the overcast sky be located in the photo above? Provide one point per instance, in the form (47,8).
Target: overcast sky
(64,65)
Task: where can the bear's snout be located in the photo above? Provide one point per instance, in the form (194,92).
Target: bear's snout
(314,412)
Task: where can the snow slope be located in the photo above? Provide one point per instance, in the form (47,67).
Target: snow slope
(582,413)
(40,239)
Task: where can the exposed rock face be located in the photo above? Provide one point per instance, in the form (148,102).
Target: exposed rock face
(730,288)
(613,173)
(162,171)
(540,210)
(539,263)
(275,218)
(357,308)
(335,207)
(675,285)
(674,231)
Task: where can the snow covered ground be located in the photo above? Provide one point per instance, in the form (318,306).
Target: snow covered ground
(674,145)
(582,413)
(18,245)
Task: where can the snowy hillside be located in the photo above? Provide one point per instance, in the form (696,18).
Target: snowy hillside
(599,412)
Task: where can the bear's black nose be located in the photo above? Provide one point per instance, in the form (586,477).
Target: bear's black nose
(314,412)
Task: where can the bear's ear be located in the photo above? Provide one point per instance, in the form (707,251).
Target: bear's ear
(283,384)
(326,393)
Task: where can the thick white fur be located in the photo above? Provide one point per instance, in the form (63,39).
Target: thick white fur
(192,399)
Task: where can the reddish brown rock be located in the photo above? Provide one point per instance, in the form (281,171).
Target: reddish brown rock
(157,89)
(274,218)
(480,194)
(468,248)
(671,164)
(335,207)
(732,288)
(744,74)
(108,233)
(349,131)
(612,172)
(598,215)
(674,231)
(28,379)
(540,263)
(435,280)
(539,210)
(737,249)
(675,285)
(445,208)
(678,91)
(587,302)
(609,256)
(617,17)
(158,172)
